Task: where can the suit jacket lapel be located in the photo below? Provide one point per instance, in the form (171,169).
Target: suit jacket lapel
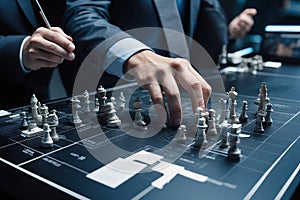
(194,14)
(28,10)
(170,19)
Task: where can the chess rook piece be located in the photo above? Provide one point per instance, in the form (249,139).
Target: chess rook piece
(200,139)
(232,114)
(181,136)
(86,102)
(112,120)
(53,123)
(75,110)
(47,141)
(268,119)
(243,116)
(224,135)
(259,121)
(138,118)
(24,123)
(234,153)
(212,130)
(44,113)
(101,94)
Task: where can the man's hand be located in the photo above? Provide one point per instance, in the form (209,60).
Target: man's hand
(47,48)
(242,24)
(157,73)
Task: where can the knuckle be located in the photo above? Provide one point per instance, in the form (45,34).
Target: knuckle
(157,98)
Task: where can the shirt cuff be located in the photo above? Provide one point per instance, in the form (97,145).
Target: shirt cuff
(24,70)
(120,52)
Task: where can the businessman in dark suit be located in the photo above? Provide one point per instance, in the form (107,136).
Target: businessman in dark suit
(29,51)
(92,22)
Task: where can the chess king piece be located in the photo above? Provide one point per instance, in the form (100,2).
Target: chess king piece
(268,119)
(262,94)
(75,110)
(24,123)
(53,123)
(112,120)
(101,94)
(234,153)
(35,110)
(86,102)
(47,141)
(200,139)
(138,119)
(243,116)
(224,135)
(181,136)
(232,95)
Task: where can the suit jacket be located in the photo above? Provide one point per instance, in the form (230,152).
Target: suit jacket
(91,22)
(18,19)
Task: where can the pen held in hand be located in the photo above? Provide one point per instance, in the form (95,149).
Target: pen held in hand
(43,14)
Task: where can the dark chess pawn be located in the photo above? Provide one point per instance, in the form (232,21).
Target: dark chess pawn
(259,122)
(243,116)
(24,123)
(53,123)
(101,94)
(138,119)
(234,153)
(268,119)
(47,141)
(200,139)
(112,120)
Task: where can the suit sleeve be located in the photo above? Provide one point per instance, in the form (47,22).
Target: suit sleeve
(9,57)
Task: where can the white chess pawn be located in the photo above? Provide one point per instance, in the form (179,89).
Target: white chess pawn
(47,141)
(112,120)
(181,136)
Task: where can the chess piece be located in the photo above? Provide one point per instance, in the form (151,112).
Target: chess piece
(112,120)
(32,130)
(243,116)
(101,94)
(268,119)
(259,122)
(75,110)
(212,130)
(53,123)
(113,101)
(262,94)
(35,110)
(232,114)
(47,141)
(138,119)
(224,110)
(224,135)
(122,101)
(24,123)
(96,109)
(86,102)
(200,139)
(181,136)
(44,113)
(234,153)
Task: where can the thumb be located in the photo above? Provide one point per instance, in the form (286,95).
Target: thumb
(250,11)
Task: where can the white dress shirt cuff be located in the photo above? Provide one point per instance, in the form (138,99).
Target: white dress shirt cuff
(24,70)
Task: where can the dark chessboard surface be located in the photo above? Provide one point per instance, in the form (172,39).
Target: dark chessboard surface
(268,168)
